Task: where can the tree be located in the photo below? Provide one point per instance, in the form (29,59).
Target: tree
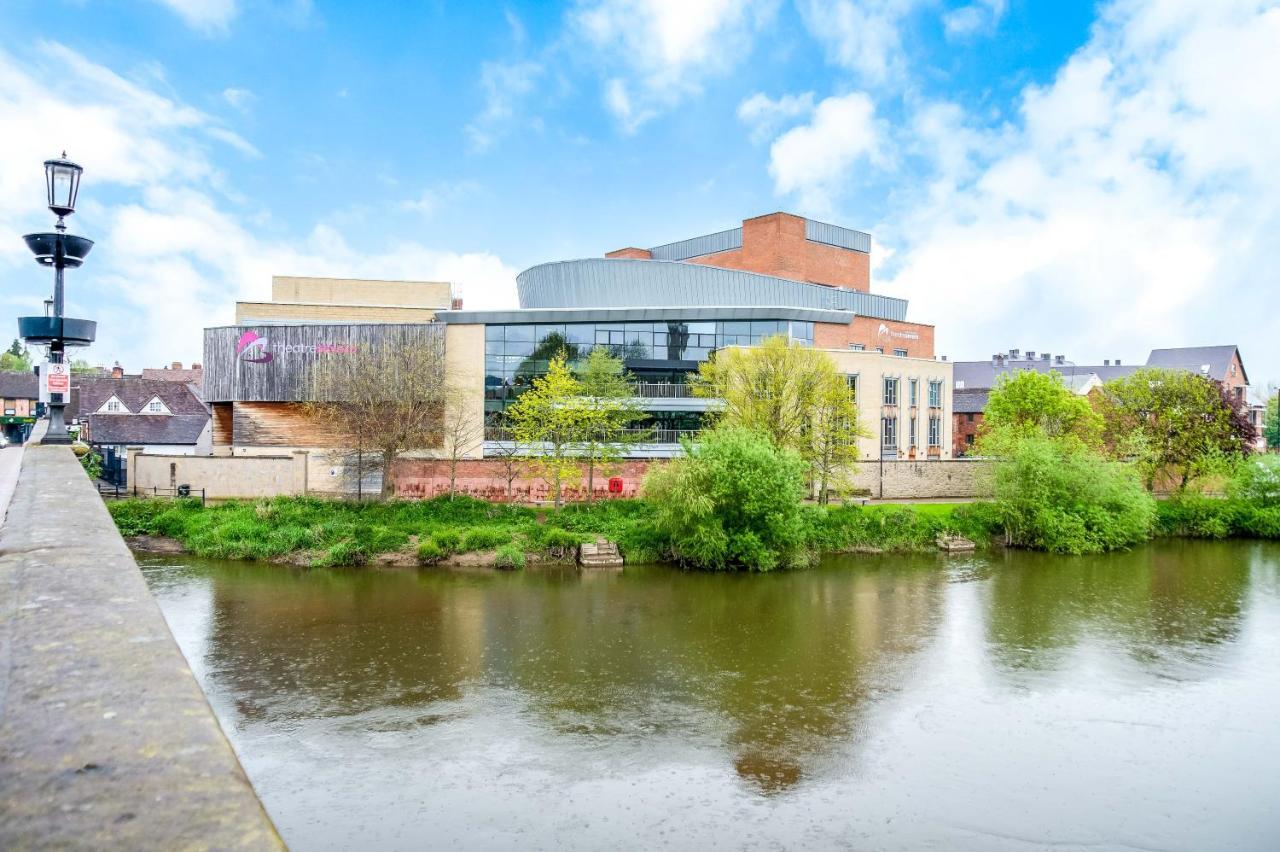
(1029,401)
(1171,423)
(81,365)
(384,398)
(17,358)
(511,456)
(832,438)
(732,501)
(791,394)
(613,408)
(462,430)
(552,413)
(1271,424)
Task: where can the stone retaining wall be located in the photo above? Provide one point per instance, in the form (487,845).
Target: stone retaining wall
(106,741)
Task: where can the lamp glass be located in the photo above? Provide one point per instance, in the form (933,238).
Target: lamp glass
(63,182)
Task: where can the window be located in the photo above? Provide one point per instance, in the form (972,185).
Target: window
(900,353)
(935,394)
(852,382)
(155,406)
(890,391)
(914,396)
(960,384)
(969,417)
(858,347)
(889,432)
(968,440)
(114,406)
(935,431)
(911,436)
(880,349)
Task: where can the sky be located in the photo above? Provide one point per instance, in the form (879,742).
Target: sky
(1087,179)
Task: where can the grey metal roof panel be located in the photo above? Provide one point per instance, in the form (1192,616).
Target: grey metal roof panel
(834,235)
(146,428)
(699,246)
(969,401)
(633,283)
(15,385)
(711,312)
(983,374)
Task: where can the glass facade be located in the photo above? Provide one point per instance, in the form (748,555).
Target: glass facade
(654,351)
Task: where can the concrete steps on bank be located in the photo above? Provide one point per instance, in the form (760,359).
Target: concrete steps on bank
(601,553)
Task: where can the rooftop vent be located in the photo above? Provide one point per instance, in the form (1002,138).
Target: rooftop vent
(1045,356)
(1013,354)
(1059,359)
(1106,362)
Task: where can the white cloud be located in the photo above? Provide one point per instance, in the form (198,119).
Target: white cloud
(765,115)
(505,85)
(863,36)
(657,52)
(814,160)
(1133,204)
(982,16)
(211,17)
(173,250)
(240,99)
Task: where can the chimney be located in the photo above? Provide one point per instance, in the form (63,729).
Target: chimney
(1013,354)
(117,372)
(176,365)
(1106,362)
(1117,362)
(1045,356)
(196,367)
(1059,359)
(1031,354)
(455,304)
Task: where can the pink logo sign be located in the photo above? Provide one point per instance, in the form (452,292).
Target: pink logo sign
(253,348)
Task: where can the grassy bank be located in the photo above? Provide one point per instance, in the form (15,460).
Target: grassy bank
(326,532)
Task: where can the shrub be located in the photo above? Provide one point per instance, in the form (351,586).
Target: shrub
(733,501)
(509,556)
(559,543)
(1257,481)
(1194,516)
(430,552)
(1058,496)
(484,538)
(448,540)
(344,553)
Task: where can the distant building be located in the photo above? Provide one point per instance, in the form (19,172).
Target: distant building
(974,379)
(175,373)
(297,300)
(159,416)
(20,398)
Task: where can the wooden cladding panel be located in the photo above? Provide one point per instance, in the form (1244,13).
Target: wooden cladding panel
(280,424)
(222,425)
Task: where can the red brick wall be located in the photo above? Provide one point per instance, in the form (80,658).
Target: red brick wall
(962,427)
(867,331)
(775,245)
(644,254)
(484,478)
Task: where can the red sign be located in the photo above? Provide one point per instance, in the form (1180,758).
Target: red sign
(615,485)
(58,378)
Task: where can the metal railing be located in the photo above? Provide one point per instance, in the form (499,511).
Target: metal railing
(663,390)
(637,435)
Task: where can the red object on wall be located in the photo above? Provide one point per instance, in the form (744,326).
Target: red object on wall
(615,485)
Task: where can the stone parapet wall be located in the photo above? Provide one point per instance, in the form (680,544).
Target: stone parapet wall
(220,477)
(924,480)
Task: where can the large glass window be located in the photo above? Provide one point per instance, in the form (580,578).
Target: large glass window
(911,437)
(935,431)
(890,391)
(889,432)
(935,394)
(915,386)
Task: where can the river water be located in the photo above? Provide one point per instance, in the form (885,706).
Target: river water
(1006,701)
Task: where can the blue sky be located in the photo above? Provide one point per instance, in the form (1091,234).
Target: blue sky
(1092,179)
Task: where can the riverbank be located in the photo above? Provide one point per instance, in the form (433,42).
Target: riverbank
(465,531)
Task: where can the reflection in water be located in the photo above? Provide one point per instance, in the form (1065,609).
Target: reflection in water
(853,704)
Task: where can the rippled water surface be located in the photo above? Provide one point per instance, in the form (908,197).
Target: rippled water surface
(1011,701)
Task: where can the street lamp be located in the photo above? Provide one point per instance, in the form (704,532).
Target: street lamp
(61,251)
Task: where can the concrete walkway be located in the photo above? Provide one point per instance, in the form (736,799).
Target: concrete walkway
(106,741)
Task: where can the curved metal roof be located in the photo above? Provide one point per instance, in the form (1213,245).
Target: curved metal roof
(634,283)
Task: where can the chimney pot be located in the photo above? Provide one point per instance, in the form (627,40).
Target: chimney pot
(117,372)
(196,367)
(176,365)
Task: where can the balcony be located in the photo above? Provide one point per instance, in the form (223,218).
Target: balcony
(663,390)
(636,437)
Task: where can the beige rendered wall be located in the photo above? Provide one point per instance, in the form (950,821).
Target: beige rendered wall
(924,480)
(250,313)
(361,291)
(222,477)
(464,372)
(872,368)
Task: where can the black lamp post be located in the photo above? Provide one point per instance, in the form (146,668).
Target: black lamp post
(61,251)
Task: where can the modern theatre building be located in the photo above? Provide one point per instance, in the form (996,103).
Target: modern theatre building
(663,310)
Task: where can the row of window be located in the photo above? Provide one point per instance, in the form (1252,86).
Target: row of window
(861,347)
(889,432)
(891,392)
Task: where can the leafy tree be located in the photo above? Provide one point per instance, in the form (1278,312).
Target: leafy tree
(612,403)
(732,501)
(385,399)
(17,358)
(1271,423)
(1057,495)
(553,413)
(1029,401)
(80,365)
(1173,423)
(793,395)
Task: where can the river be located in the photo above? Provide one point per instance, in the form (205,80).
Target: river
(1000,701)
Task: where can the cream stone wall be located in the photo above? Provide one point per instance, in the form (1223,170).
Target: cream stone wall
(361,291)
(464,372)
(924,480)
(871,369)
(221,477)
(251,313)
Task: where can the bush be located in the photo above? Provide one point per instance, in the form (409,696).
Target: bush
(1058,496)
(559,543)
(509,556)
(344,553)
(430,552)
(448,540)
(1194,516)
(1257,481)
(733,501)
(484,538)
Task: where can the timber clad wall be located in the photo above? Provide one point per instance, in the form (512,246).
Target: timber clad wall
(286,377)
(279,424)
(221,417)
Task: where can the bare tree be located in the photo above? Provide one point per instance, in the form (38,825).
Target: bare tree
(512,457)
(386,399)
(463,429)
